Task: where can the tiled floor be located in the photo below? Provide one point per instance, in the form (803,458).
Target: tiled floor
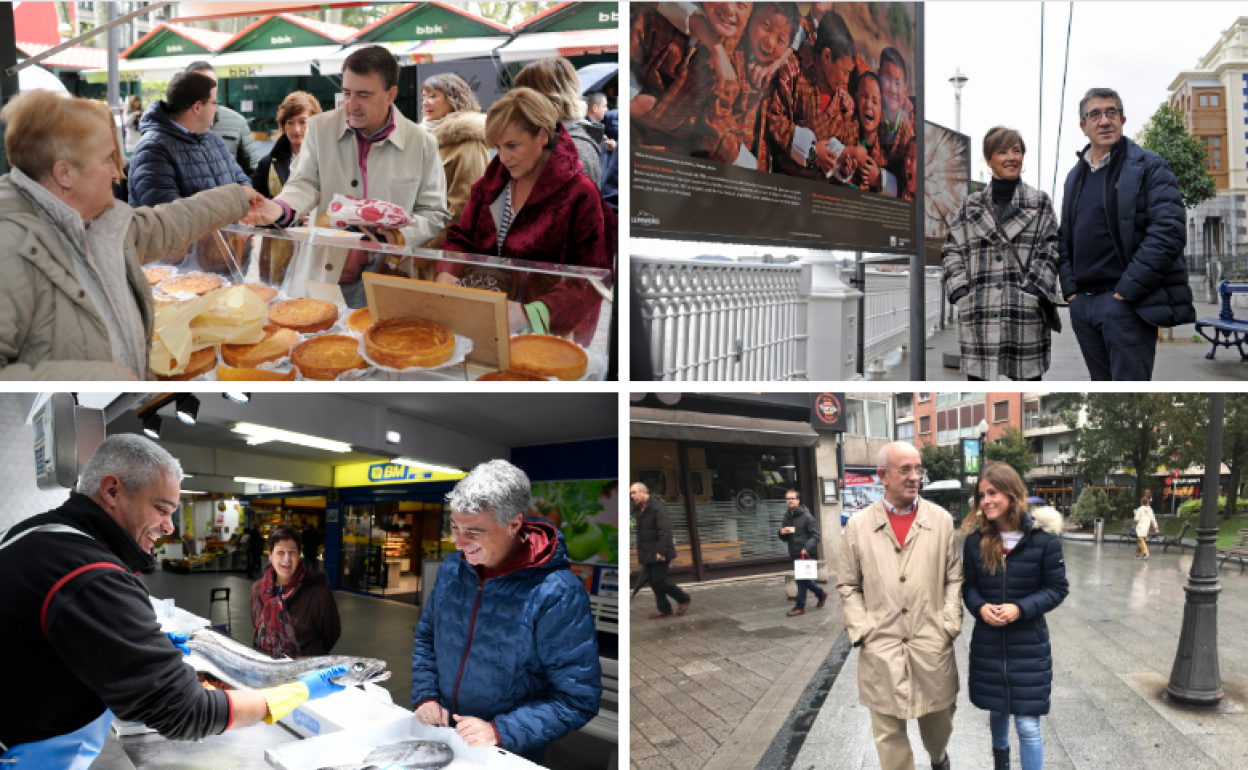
(371,627)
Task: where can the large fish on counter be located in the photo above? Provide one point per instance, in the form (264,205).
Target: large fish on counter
(408,755)
(243,668)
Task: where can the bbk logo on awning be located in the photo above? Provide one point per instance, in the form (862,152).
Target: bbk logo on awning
(432,29)
(282,40)
(614,16)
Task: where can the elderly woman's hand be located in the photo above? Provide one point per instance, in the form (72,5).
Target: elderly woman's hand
(475,732)
(432,713)
(263,211)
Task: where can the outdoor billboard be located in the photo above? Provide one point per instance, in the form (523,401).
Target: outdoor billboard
(774,122)
(947,171)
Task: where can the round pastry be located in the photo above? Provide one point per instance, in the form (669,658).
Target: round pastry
(226,374)
(509,375)
(276,344)
(404,343)
(265,293)
(156,274)
(195,283)
(212,257)
(360,320)
(327,356)
(545,356)
(306,316)
(201,362)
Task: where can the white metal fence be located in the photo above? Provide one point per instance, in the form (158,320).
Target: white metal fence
(740,321)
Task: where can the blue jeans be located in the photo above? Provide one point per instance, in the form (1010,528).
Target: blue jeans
(1030,741)
(808,585)
(1116,343)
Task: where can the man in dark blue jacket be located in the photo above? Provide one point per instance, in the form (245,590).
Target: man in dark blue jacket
(506,650)
(1120,254)
(178,154)
(802,534)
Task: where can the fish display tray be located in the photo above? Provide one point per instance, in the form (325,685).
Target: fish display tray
(351,746)
(346,710)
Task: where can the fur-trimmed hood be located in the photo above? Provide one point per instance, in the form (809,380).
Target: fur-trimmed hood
(1047,519)
(459,127)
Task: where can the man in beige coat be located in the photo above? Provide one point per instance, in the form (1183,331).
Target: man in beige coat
(899,573)
(365,149)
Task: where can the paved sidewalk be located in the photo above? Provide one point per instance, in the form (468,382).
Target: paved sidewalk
(711,689)
(1181,359)
(1114,641)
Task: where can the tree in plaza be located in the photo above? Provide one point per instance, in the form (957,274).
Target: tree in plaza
(1191,425)
(1013,449)
(509,14)
(1120,430)
(940,462)
(1183,153)
(1092,504)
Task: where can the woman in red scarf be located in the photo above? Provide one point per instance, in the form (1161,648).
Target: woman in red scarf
(293,610)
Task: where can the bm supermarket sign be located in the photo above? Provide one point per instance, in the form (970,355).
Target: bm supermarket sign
(372,474)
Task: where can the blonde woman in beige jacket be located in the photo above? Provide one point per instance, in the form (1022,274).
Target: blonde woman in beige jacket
(74,303)
(1144,519)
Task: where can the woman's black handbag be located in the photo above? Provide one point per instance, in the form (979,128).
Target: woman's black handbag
(1048,308)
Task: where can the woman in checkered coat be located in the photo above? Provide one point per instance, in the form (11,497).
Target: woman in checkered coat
(997,296)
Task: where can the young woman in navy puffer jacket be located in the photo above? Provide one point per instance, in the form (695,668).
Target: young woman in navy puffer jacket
(1014,574)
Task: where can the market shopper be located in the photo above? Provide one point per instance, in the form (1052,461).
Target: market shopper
(656,551)
(74,303)
(1014,575)
(506,647)
(292,608)
(454,117)
(178,155)
(255,551)
(293,115)
(1000,260)
(365,149)
(312,542)
(534,204)
(899,574)
(134,113)
(80,627)
(231,127)
(556,79)
(799,530)
(1144,520)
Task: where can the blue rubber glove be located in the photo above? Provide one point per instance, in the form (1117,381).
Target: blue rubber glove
(318,683)
(179,641)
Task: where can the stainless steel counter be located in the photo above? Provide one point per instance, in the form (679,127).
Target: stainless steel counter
(240,749)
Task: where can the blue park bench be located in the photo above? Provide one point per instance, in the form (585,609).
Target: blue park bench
(1227,329)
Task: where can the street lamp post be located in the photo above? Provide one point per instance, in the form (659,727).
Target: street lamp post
(958,80)
(1195,679)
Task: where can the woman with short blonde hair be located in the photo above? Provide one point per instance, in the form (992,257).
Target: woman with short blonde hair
(74,302)
(556,79)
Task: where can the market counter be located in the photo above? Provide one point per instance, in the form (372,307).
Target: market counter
(240,749)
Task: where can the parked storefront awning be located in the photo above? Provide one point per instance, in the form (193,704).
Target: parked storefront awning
(281,62)
(677,425)
(542,45)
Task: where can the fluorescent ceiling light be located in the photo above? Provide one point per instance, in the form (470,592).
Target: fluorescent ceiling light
(258,434)
(191,492)
(246,480)
(238,398)
(393,437)
(425,465)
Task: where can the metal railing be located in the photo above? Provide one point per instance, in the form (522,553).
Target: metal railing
(1031,421)
(721,321)
(886,314)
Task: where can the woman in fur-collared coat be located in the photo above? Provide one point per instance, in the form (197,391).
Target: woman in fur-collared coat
(454,117)
(1000,326)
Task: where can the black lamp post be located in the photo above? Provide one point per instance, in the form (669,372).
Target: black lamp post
(1195,679)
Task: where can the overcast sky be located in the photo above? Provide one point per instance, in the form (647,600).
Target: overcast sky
(1135,48)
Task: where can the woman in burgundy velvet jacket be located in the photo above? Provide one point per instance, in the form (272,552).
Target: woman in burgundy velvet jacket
(548,211)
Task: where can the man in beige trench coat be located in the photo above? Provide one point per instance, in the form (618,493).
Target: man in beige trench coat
(899,573)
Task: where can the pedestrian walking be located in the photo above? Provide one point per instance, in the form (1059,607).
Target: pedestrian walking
(1000,261)
(656,550)
(899,574)
(1144,519)
(802,534)
(1121,246)
(134,113)
(1015,558)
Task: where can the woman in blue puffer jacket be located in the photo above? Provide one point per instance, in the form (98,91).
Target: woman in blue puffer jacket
(506,651)
(1013,574)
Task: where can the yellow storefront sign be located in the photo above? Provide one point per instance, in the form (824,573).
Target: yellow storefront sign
(374,474)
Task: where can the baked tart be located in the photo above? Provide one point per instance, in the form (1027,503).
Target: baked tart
(276,344)
(156,274)
(404,343)
(544,356)
(306,316)
(195,283)
(266,293)
(509,375)
(228,374)
(360,320)
(201,362)
(327,356)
